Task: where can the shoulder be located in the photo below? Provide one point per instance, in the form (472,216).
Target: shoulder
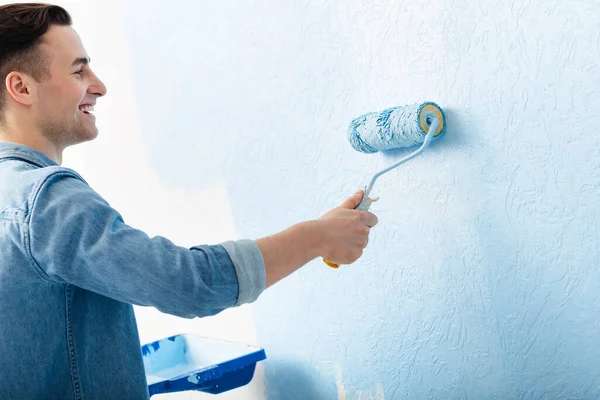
(60,192)
(55,180)
(22,183)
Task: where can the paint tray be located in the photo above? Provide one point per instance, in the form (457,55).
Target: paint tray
(191,362)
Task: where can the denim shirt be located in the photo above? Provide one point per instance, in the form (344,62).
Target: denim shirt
(70,271)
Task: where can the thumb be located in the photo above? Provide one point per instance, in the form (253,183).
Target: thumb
(353,201)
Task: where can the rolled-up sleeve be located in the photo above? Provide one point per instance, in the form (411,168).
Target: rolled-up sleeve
(249,267)
(76,237)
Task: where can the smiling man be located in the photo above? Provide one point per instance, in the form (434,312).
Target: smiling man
(53,83)
(70,268)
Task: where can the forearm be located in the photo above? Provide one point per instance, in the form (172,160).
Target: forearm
(287,251)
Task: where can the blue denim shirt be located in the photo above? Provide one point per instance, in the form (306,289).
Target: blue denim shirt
(70,270)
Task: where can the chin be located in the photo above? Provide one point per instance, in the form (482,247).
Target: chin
(93,135)
(84,136)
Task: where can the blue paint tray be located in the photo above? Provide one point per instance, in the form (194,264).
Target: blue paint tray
(191,362)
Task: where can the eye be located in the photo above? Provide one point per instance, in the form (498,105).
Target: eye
(80,72)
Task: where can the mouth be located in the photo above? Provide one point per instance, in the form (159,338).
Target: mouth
(86,109)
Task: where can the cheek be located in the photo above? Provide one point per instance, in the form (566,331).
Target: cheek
(64,97)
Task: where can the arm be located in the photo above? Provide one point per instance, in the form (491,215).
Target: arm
(287,251)
(76,238)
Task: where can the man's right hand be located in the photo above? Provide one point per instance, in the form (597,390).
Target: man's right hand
(345,231)
(339,236)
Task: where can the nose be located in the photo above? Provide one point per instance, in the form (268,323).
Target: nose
(97,87)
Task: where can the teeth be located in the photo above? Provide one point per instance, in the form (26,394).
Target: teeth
(87,108)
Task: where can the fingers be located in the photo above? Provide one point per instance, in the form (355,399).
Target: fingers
(350,230)
(369,219)
(364,242)
(353,201)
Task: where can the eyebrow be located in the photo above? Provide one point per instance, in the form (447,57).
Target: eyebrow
(81,61)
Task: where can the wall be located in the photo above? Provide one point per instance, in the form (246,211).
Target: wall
(481,280)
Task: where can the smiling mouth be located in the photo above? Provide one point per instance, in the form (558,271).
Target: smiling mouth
(86,109)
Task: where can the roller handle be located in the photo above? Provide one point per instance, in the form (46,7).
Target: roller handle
(364,205)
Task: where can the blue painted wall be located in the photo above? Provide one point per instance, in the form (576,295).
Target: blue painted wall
(481,279)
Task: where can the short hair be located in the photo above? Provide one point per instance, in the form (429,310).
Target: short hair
(21,28)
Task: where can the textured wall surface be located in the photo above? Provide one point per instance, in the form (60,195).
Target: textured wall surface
(481,279)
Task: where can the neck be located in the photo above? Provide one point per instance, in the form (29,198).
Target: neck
(31,137)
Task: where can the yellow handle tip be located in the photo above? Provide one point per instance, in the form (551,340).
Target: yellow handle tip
(332,265)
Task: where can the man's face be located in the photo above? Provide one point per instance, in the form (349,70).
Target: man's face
(64,99)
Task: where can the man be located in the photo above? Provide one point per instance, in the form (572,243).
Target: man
(70,268)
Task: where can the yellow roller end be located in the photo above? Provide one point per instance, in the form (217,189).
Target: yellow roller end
(431,109)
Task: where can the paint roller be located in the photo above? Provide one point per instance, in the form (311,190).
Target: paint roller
(394,128)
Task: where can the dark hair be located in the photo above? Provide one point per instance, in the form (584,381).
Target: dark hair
(21,27)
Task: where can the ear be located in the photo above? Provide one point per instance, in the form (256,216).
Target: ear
(20,87)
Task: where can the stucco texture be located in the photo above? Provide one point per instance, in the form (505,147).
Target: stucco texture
(481,279)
